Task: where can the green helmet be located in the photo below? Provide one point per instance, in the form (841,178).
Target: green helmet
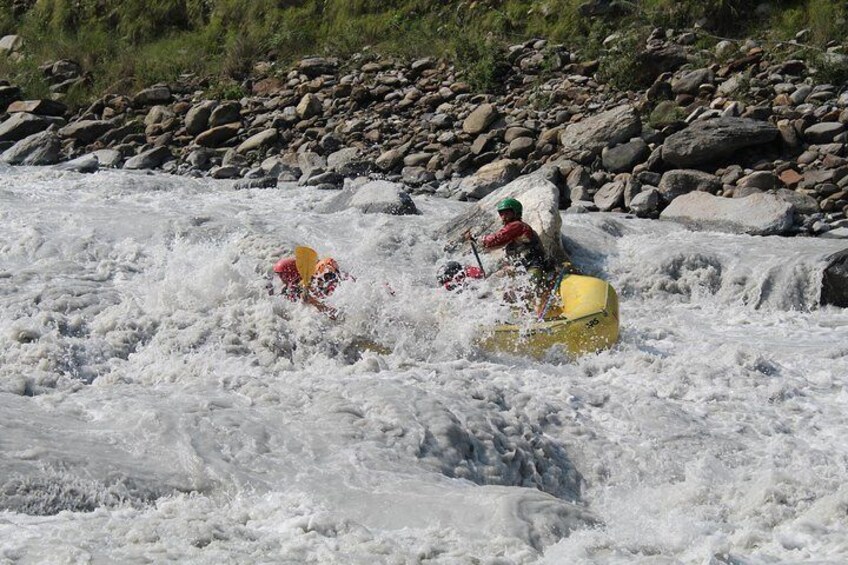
(510,204)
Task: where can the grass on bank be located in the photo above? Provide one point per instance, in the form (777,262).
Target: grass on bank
(123,45)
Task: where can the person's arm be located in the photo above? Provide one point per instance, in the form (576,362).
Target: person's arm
(331,312)
(508,233)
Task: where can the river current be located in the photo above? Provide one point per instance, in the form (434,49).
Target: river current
(156,404)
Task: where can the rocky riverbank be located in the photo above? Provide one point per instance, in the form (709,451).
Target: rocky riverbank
(715,126)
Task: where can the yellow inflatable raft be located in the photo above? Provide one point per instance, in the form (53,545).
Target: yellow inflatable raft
(585,321)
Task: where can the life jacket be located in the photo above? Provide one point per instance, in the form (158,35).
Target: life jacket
(521,245)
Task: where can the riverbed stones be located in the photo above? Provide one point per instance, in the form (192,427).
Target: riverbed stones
(86,131)
(374,197)
(197,118)
(823,132)
(758,214)
(159,94)
(259,140)
(622,158)
(488,178)
(150,159)
(218,136)
(44,107)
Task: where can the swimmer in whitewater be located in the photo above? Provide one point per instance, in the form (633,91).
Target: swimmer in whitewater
(323,283)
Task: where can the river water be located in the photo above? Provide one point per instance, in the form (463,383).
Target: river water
(157,405)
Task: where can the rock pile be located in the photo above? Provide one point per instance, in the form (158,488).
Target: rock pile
(748,123)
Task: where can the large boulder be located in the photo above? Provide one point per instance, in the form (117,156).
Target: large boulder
(835,280)
(258,140)
(218,136)
(708,141)
(43,148)
(197,118)
(480,119)
(43,107)
(22,124)
(587,138)
(539,195)
(758,214)
(622,158)
(375,197)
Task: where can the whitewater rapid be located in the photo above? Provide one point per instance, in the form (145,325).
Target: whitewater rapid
(157,405)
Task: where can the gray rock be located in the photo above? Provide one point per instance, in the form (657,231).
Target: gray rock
(261,182)
(217,136)
(317,66)
(158,114)
(154,95)
(683,181)
(11,43)
(622,158)
(259,140)
(592,134)
(759,214)
(647,203)
(309,106)
(317,177)
(610,196)
(389,160)
(539,195)
(150,159)
(835,280)
(109,158)
(803,203)
(744,191)
(763,180)
(225,172)
(691,81)
(375,197)
(488,178)
(708,141)
(42,148)
(22,125)
(416,176)
(480,119)
(823,132)
(225,113)
(85,164)
(348,162)
(197,118)
(44,107)
(520,148)
(86,131)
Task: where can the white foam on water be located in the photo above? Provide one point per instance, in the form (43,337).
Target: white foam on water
(156,404)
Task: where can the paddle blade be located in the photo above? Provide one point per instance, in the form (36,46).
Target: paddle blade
(305,258)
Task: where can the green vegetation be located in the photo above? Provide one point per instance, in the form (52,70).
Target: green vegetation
(126,44)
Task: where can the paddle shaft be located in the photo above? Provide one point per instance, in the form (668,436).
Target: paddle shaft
(477,256)
(551,295)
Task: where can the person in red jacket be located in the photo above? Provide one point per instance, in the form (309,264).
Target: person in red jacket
(324,281)
(521,244)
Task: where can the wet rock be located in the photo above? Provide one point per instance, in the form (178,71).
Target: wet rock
(375,197)
(109,158)
(759,214)
(261,182)
(84,164)
(834,290)
(348,161)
